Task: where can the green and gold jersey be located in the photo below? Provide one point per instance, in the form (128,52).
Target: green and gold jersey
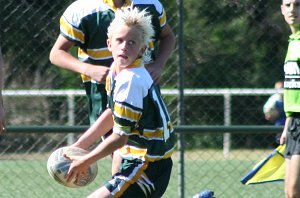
(140,113)
(85,23)
(292,76)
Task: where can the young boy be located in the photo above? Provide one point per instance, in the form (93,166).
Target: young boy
(84,24)
(290,9)
(142,130)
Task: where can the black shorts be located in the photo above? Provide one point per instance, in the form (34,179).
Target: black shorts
(293,137)
(141,179)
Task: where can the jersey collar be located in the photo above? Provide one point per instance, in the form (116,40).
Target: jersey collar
(136,63)
(295,36)
(111,4)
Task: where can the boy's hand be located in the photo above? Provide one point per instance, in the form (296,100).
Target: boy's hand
(283,137)
(77,168)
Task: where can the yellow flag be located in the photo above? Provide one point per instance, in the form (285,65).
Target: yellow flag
(270,169)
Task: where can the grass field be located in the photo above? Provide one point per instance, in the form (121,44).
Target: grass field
(26,176)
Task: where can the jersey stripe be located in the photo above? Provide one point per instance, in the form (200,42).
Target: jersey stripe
(123,111)
(70,31)
(163,19)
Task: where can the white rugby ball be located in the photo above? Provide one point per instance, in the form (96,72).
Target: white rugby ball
(58,166)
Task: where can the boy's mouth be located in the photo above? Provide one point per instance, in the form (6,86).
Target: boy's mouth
(123,56)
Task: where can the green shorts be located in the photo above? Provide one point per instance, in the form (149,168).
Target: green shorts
(97,99)
(141,179)
(293,137)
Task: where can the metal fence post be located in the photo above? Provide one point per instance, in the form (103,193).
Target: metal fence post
(180,106)
(71,117)
(227,122)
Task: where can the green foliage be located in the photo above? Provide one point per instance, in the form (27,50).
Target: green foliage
(242,39)
(245,39)
(30,30)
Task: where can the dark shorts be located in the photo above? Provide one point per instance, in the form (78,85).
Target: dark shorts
(293,137)
(141,179)
(97,98)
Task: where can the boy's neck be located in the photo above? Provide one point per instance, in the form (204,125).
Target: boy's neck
(135,64)
(295,28)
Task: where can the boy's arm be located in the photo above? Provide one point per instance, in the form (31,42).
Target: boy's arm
(165,49)
(285,129)
(108,146)
(102,125)
(59,55)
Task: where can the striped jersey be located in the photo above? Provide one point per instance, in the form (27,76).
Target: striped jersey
(85,23)
(292,76)
(140,112)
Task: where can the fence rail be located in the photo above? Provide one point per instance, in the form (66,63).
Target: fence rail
(184,129)
(187,92)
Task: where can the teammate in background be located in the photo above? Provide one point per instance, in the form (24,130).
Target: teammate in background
(273,108)
(84,24)
(141,124)
(2,115)
(290,9)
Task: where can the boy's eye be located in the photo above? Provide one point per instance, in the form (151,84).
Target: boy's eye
(131,42)
(295,5)
(119,40)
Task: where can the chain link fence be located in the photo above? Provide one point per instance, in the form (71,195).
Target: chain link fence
(227,58)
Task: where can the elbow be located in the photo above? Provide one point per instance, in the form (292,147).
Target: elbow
(121,141)
(52,57)
(172,39)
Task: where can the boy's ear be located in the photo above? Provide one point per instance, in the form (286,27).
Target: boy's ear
(108,44)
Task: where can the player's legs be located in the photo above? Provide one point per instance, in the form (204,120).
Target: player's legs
(292,155)
(116,163)
(140,179)
(160,172)
(97,97)
(102,192)
(287,176)
(127,182)
(292,184)
(116,158)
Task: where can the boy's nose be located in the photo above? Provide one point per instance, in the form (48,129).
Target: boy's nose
(124,45)
(292,8)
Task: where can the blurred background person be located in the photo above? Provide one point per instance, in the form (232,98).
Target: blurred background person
(273,108)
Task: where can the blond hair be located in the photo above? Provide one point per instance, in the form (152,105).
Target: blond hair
(133,17)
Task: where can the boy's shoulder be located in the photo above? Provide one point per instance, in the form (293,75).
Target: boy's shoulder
(81,8)
(135,74)
(157,4)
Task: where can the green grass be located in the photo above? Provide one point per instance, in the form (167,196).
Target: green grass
(26,176)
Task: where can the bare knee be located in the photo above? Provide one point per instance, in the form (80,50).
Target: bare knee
(116,163)
(102,192)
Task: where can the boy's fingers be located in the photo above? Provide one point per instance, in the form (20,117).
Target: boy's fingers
(68,157)
(70,176)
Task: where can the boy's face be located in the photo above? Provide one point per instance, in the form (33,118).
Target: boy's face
(290,9)
(125,45)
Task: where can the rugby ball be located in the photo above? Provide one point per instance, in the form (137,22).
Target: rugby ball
(58,166)
(272,114)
